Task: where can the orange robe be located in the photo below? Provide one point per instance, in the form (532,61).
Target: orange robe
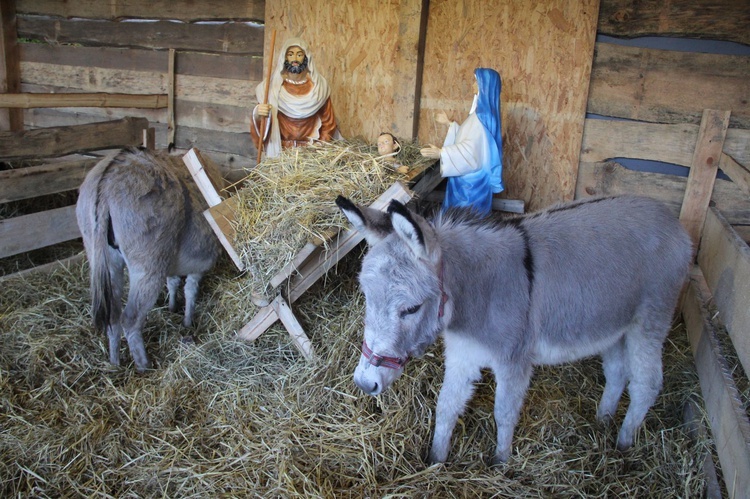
(296,132)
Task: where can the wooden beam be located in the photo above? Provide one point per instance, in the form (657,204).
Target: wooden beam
(38,230)
(50,178)
(703,170)
(729,422)
(10,65)
(99,99)
(59,141)
(412,27)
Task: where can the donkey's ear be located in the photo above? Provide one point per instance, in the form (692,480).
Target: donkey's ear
(373,224)
(407,227)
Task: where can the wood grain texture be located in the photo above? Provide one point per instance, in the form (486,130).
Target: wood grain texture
(245,10)
(211,37)
(716,19)
(611,178)
(543,51)
(10,73)
(50,178)
(703,170)
(38,230)
(667,86)
(59,141)
(725,260)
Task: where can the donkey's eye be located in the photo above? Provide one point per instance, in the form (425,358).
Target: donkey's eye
(411,310)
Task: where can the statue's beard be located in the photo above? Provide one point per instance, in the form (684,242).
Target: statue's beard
(289,67)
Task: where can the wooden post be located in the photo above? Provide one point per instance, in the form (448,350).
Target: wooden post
(10,65)
(170,100)
(703,171)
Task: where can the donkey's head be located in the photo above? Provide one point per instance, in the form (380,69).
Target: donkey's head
(402,281)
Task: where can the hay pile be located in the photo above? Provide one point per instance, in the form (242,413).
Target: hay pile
(288,201)
(225,418)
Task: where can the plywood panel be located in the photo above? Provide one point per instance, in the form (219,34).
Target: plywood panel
(543,51)
(365,49)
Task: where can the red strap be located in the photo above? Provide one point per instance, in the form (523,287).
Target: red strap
(380,361)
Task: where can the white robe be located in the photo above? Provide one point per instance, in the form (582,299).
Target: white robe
(466,147)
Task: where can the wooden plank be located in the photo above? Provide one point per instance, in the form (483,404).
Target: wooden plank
(10,65)
(717,20)
(509,205)
(611,178)
(194,162)
(729,421)
(738,173)
(94,79)
(669,143)
(59,141)
(220,219)
(47,268)
(230,66)
(210,37)
(50,178)
(30,232)
(703,170)
(219,10)
(545,84)
(725,261)
(26,101)
(640,84)
(292,325)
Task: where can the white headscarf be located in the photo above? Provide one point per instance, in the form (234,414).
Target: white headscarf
(301,106)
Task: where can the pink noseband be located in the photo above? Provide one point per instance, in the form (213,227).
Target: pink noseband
(380,361)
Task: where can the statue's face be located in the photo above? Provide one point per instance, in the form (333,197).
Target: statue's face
(386,145)
(295,56)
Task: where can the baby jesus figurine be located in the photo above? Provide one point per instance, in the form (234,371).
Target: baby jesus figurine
(388,148)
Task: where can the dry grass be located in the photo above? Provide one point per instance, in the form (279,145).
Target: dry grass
(225,418)
(287,201)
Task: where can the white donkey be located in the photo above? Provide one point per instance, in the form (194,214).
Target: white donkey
(598,276)
(142,209)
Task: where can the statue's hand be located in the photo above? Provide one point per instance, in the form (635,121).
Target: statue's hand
(264,110)
(442,118)
(432,152)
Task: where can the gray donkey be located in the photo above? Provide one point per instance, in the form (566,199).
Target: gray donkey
(594,277)
(142,209)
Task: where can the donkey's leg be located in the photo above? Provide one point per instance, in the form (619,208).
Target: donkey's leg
(457,389)
(616,376)
(191,294)
(117,282)
(644,358)
(512,384)
(173,286)
(142,296)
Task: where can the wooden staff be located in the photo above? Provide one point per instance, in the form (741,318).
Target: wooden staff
(265,96)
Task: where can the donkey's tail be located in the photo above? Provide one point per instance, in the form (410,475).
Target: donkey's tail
(95,222)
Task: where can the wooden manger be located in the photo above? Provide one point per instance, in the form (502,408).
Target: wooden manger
(310,263)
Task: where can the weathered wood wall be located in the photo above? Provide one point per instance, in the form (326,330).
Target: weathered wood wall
(101,47)
(662,94)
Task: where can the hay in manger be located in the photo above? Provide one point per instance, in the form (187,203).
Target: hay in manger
(287,201)
(227,417)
